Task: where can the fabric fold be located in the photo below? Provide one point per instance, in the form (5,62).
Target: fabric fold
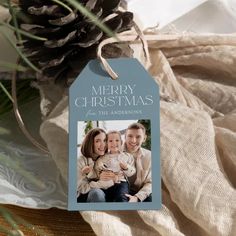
(198,139)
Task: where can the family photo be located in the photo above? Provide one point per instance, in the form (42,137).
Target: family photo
(114,161)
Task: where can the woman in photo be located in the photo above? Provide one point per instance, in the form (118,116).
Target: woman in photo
(103,175)
(94,145)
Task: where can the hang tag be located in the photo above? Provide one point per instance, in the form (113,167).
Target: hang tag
(114,139)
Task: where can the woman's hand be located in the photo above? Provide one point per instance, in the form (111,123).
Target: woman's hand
(86,169)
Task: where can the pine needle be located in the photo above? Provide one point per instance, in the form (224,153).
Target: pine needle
(36,230)
(7,216)
(12,11)
(83,10)
(6,92)
(22,32)
(21,54)
(14,220)
(63,5)
(4,230)
(12,66)
(6,161)
(25,94)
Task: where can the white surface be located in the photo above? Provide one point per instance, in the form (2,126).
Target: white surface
(212,16)
(153,12)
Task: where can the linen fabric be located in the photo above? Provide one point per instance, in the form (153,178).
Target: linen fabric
(197,74)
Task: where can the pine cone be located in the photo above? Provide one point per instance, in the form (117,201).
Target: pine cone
(72,39)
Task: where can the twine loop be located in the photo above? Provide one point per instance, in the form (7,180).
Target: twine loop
(129,37)
(134,36)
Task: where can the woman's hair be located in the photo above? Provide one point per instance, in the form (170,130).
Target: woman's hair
(87,146)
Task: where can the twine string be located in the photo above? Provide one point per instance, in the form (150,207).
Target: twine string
(126,36)
(132,37)
(19,117)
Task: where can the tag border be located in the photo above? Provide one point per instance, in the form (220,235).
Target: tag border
(73,205)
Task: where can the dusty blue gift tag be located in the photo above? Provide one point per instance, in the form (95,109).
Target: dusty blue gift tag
(109,170)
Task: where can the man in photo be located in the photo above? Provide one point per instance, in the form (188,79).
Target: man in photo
(140,182)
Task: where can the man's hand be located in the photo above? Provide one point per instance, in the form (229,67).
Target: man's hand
(132,198)
(86,169)
(123,166)
(107,175)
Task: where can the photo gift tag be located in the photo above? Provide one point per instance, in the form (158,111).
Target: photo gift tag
(114,139)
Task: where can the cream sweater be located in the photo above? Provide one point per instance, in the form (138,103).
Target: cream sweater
(86,182)
(143,182)
(112,162)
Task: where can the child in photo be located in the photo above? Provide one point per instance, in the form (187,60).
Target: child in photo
(116,161)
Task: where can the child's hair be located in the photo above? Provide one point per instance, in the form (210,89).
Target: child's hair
(114,132)
(87,146)
(137,126)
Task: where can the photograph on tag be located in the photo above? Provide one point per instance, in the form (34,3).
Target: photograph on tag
(114,162)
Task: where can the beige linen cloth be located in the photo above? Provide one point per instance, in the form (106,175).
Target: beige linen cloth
(198,141)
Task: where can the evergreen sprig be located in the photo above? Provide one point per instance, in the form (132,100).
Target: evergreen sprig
(25,92)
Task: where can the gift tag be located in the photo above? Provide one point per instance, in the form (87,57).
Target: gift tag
(114,120)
